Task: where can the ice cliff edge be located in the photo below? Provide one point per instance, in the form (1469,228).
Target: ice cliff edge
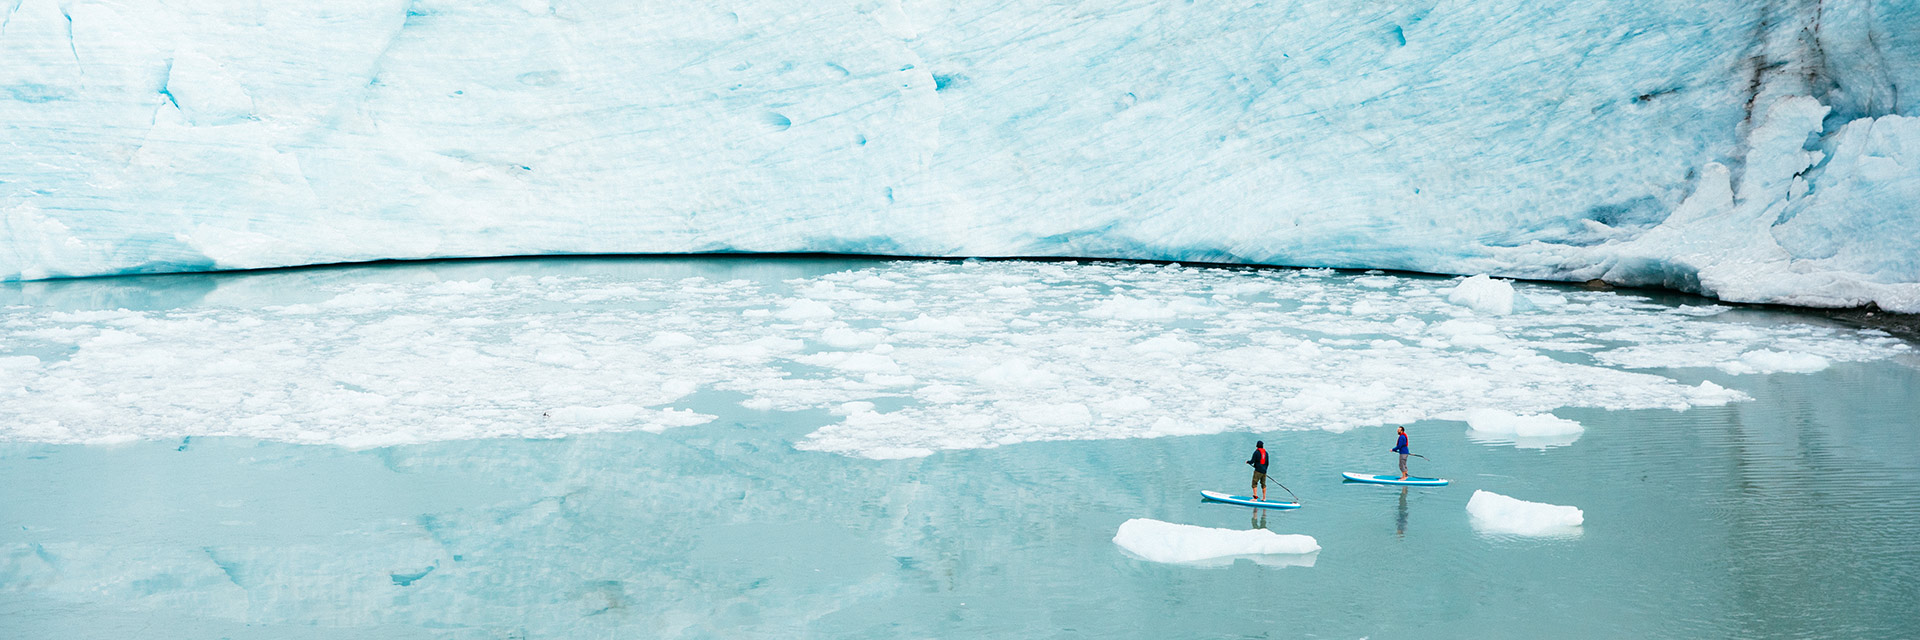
(1753,151)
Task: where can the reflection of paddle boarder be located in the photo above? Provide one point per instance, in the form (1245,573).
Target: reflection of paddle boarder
(1400,525)
(1401,449)
(1259,518)
(1259,462)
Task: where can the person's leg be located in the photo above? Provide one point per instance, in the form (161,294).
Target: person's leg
(1403,466)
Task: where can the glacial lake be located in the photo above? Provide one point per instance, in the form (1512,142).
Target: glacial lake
(723,447)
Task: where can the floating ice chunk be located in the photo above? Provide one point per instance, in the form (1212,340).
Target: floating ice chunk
(668,418)
(1051,414)
(1376,282)
(482,285)
(929,324)
(1124,405)
(1770,361)
(895,453)
(1018,372)
(1540,431)
(626,414)
(844,337)
(1458,329)
(1507,422)
(1483,294)
(1497,514)
(561,356)
(609,413)
(1545,299)
(869,305)
(1009,292)
(1171,543)
(1167,344)
(803,309)
(671,340)
(1708,394)
(1121,307)
(111,338)
(861,362)
(1364,308)
(850,408)
(758,349)
(678,388)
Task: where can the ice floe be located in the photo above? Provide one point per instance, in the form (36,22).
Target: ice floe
(1087,351)
(1525,431)
(1172,543)
(1483,294)
(1497,514)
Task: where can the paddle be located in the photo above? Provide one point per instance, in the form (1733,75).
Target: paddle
(1296,499)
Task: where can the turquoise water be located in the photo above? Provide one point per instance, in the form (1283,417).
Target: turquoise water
(1794,514)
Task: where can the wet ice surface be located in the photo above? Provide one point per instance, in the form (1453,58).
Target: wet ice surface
(914,357)
(1787,512)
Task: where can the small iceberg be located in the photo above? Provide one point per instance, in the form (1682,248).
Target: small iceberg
(1493,513)
(1541,431)
(1484,295)
(1770,361)
(1171,543)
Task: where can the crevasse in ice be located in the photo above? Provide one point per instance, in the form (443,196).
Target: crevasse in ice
(1749,151)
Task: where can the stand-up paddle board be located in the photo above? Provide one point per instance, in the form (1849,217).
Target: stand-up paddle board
(1391,479)
(1249,501)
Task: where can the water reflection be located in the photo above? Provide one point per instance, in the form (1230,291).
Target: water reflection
(1400,521)
(1523,442)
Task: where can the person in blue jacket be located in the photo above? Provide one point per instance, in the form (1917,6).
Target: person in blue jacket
(1401,448)
(1259,462)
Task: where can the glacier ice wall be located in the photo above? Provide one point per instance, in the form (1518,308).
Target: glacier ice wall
(1754,151)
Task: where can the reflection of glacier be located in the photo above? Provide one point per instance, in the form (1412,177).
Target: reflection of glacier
(1752,151)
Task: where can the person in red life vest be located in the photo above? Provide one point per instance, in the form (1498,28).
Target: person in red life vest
(1401,448)
(1259,462)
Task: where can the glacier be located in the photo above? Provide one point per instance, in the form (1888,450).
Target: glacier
(1751,151)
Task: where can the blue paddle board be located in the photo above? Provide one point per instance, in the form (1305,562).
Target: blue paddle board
(1392,479)
(1249,501)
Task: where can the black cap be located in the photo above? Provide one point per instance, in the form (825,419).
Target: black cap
(1259,444)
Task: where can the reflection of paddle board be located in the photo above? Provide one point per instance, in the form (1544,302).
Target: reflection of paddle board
(1391,479)
(1247,501)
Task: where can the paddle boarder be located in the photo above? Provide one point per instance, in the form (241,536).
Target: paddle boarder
(1401,448)
(1259,462)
